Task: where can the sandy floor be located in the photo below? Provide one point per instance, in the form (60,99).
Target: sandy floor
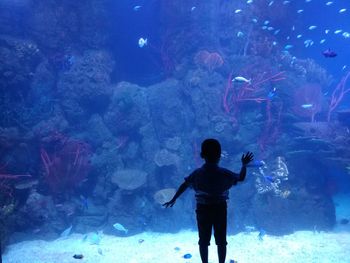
(159,248)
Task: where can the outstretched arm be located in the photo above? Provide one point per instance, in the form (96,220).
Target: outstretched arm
(247,158)
(179,191)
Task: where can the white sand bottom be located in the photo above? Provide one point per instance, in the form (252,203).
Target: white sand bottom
(303,246)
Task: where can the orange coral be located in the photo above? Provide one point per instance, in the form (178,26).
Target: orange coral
(208,60)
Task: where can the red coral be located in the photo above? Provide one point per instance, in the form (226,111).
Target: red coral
(208,60)
(338,95)
(67,165)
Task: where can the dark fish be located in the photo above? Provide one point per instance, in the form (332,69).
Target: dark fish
(344,221)
(188,255)
(261,235)
(78,256)
(269,178)
(329,53)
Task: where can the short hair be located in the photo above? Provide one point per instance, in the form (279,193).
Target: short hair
(211,150)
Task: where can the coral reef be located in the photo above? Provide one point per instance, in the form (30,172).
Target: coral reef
(85,88)
(271,179)
(125,145)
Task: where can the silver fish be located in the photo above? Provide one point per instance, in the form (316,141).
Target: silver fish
(120,227)
(242,79)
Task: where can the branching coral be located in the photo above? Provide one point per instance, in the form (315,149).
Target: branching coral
(66,164)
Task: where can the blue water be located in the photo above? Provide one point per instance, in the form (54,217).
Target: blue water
(104,105)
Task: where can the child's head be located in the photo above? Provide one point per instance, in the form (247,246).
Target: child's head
(211,150)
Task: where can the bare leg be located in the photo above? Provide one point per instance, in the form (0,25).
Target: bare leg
(222,253)
(203,250)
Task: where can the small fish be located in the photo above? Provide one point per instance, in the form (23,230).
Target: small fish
(300,11)
(329,53)
(329,3)
(261,235)
(255,20)
(137,7)
(326,31)
(193,8)
(240,34)
(272,93)
(299,36)
(99,250)
(308,43)
(269,178)
(342,10)
(276,31)
(312,27)
(36,230)
(177,249)
(338,31)
(322,41)
(307,106)
(66,232)
(142,42)
(344,221)
(288,46)
(187,256)
(120,227)
(78,256)
(140,241)
(242,79)
(346,35)
(271,3)
(286,2)
(238,11)
(249,1)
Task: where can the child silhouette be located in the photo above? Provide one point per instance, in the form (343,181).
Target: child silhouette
(211,184)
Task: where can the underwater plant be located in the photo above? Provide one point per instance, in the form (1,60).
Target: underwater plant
(66,164)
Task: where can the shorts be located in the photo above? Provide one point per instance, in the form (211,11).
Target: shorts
(211,216)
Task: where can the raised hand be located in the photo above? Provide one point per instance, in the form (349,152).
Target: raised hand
(247,158)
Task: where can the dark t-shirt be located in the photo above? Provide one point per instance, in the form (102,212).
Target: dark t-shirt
(211,183)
